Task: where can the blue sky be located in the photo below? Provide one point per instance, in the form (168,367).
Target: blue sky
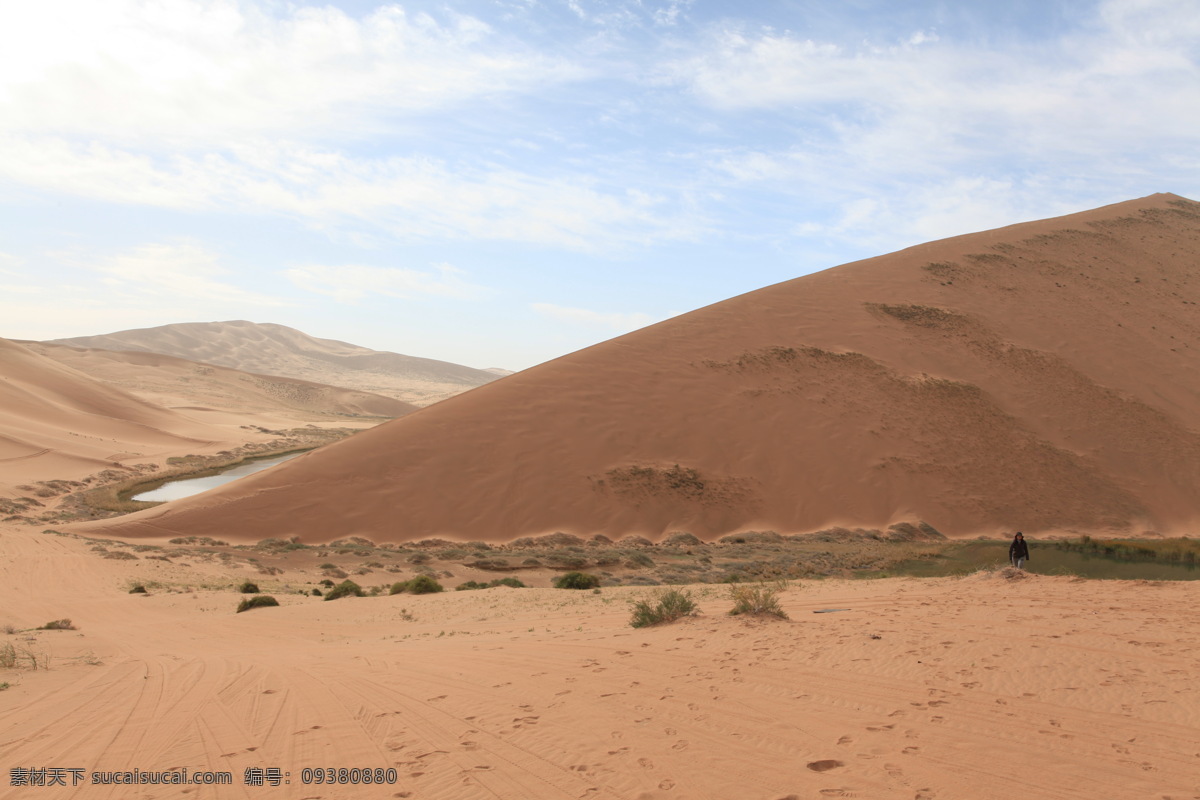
(501,182)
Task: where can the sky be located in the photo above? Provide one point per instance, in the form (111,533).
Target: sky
(497,183)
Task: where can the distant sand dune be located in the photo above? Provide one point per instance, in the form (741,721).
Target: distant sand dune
(269,349)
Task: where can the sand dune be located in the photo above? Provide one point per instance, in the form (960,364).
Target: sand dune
(268,349)
(979,687)
(178,383)
(1040,377)
(57,423)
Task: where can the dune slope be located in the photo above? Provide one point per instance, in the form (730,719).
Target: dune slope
(1041,376)
(56,422)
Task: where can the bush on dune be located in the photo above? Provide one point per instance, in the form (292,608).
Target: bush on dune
(576,580)
(261,601)
(666,605)
(344,589)
(758,598)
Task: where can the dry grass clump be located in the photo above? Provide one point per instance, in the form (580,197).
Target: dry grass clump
(757,598)
(261,601)
(666,605)
(57,625)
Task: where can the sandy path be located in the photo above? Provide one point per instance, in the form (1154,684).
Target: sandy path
(981,688)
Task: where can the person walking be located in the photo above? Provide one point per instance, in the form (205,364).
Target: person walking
(1018,551)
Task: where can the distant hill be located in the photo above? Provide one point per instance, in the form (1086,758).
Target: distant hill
(178,383)
(269,349)
(1042,377)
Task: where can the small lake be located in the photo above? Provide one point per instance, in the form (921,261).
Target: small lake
(186,487)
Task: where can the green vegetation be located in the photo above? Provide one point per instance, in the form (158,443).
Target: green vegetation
(139,589)
(421,584)
(515,583)
(248,588)
(1167,551)
(261,601)
(757,598)
(576,580)
(344,589)
(666,605)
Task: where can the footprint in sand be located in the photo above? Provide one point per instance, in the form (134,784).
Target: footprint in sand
(645,763)
(682,744)
(846,740)
(824,765)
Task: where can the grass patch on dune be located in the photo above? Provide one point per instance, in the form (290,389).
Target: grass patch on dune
(261,601)
(344,589)
(665,605)
(757,598)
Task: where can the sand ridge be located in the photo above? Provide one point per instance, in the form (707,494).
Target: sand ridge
(1040,377)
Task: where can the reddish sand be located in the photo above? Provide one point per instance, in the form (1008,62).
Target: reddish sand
(978,687)
(1039,377)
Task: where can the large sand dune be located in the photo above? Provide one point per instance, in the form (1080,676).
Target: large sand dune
(1039,377)
(269,349)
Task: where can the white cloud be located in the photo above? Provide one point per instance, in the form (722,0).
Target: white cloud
(348,283)
(1130,79)
(615,320)
(409,198)
(177,271)
(133,69)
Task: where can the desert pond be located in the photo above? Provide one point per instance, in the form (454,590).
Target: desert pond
(186,487)
(1045,559)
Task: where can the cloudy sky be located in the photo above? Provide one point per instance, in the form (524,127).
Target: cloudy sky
(500,182)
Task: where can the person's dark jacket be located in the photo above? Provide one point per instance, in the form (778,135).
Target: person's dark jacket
(1018,549)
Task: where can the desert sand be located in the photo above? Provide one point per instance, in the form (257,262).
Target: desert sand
(1037,377)
(982,687)
(270,349)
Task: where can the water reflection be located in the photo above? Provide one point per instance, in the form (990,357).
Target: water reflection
(186,487)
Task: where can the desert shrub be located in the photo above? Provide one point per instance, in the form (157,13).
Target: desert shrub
(58,625)
(260,601)
(8,656)
(344,589)
(424,584)
(666,605)
(515,583)
(636,560)
(328,584)
(328,565)
(316,592)
(248,588)
(757,598)
(398,587)
(576,580)
(139,589)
